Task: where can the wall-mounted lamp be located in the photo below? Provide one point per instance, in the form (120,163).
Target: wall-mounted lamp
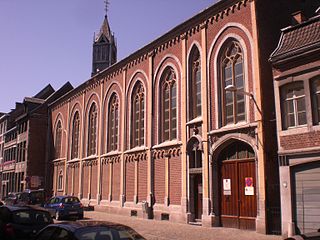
(233,88)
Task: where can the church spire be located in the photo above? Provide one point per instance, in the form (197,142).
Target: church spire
(104,46)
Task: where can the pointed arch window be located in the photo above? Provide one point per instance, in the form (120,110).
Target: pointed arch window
(194,84)
(92,130)
(75,136)
(113,123)
(231,72)
(168,99)
(58,138)
(60,180)
(137,116)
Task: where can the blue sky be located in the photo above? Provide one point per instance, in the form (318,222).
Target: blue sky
(46,41)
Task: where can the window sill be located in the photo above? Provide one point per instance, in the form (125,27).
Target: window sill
(90,157)
(167,144)
(73,160)
(59,159)
(294,130)
(137,149)
(112,153)
(232,127)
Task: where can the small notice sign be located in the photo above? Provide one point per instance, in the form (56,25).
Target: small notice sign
(226,186)
(249,189)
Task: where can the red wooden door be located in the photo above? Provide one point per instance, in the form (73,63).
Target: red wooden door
(238,194)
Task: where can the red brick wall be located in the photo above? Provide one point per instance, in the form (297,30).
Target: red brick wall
(116,180)
(298,141)
(130,181)
(105,181)
(94,181)
(159,180)
(175,181)
(142,180)
(85,181)
(69,180)
(76,181)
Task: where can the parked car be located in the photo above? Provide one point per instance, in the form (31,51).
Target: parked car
(22,222)
(88,230)
(32,197)
(64,207)
(12,198)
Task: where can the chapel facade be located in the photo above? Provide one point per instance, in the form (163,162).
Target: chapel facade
(182,129)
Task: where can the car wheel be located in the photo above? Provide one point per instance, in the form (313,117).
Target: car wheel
(57,216)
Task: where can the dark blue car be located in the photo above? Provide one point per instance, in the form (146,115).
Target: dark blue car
(88,230)
(64,207)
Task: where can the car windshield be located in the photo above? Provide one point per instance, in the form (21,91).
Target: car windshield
(70,200)
(37,197)
(105,233)
(29,217)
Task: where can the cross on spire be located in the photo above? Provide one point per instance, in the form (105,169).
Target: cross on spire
(106,8)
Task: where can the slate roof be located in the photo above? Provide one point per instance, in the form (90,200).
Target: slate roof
(298,39)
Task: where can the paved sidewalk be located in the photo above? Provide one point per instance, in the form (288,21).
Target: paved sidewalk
(163,230)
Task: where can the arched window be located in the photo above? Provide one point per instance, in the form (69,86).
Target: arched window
(293,105)
(92,130)
(194,84)
(137,116)
(75,136)
(315,95)
(113,123)
(57,146)
(231,73)
(60,180)
(168,100)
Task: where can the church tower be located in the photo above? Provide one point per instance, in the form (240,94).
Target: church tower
(104,52)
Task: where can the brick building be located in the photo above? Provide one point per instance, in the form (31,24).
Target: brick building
(23,139)
(296,70)
(182,129)
(3,129)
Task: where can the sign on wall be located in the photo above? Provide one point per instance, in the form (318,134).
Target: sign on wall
(249,189)
(227,186)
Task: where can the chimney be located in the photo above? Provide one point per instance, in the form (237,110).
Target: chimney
(297,18)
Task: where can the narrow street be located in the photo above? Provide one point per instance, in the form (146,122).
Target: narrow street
(163,230)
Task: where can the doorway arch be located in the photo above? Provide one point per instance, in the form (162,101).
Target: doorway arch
(234,184)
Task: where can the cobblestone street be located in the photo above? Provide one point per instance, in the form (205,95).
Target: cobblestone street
(163,230)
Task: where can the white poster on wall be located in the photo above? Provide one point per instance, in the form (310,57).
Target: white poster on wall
(227,186)
(249,189)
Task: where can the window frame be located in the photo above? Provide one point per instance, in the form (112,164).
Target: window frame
(168,93)
(113,123)
(137,137)
(60,181)
(92,130)
(75,136)
(315,100)
(284,99)
(194,80)
(58,140)
(228,58)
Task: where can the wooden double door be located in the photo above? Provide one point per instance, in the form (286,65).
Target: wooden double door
(238,203)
